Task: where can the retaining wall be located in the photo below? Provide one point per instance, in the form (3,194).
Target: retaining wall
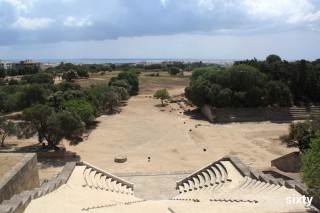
(288,163)
(21,177)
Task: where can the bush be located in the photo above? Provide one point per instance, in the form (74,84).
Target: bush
(311,166)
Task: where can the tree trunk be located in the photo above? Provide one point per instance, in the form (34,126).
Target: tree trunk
(2,139)
(162,102)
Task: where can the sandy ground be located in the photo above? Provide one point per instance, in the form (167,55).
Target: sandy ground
(142,130)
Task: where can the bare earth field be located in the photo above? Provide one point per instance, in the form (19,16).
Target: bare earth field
(144,130)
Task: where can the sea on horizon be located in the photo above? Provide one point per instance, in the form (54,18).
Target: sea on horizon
(121,61)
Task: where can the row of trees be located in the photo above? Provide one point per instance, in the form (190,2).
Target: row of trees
(24,70)
(246,84)
(301,77)
(54,112)
(239,86)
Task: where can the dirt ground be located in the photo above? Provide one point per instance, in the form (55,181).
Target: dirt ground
(173,141)
(144,130)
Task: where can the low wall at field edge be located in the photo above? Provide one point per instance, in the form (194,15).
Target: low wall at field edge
(288,163)
(207,111)
(258,114)
(21,177)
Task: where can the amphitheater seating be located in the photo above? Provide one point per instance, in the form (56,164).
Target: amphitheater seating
(222,182)
(226,185)
(263,114)
(89,188)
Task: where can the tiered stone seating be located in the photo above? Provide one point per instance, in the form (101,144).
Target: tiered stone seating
(103,181)
(206,181)
(264,114)
(223,181)
(88,188)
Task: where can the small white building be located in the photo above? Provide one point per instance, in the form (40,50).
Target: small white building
(5,65)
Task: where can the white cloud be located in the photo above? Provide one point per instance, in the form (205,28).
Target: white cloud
(32,23)
(290,11)
(18,5)
(207,4)
(164,3)
(72,21)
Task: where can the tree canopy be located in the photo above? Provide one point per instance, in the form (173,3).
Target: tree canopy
(50,126)
(162,94)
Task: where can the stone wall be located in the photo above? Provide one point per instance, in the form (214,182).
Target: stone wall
(208,112)
(21,177)
(288,163)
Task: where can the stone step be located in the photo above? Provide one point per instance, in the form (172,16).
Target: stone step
(191,185)
(201,181)
(110,185)
(222,171)
(92,175)
(87,177)
(104,182)
(212,177)
(217,174)
(13,205)
(206,178)
(98,179)
(196,182)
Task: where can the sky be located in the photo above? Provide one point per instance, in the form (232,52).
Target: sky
(153,29)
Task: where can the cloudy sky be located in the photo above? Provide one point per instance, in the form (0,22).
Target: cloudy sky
(180,29)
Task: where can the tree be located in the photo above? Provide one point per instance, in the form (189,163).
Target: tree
(36,94)
(50,126)
(70,75)
(224,98)
(71,126)
(2,73)
(7,128)
(132,79)
(39,78)
(174,70)
(162,94)
(299,136)
(273,58)
(36,121)
(82,73)
(110,100)
(199,91)
(82,108)
(311,166)
(301,133)
(278,94)
(122,92)
(121,83)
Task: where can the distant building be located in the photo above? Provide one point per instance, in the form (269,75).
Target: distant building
(5,65)
(27,63)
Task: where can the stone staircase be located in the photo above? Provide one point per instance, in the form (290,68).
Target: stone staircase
(88,188)
(263,114)
(228,181)
(19,202)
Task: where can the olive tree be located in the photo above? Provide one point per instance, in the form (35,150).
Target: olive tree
(162,94)
(7,128)
(50,126)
